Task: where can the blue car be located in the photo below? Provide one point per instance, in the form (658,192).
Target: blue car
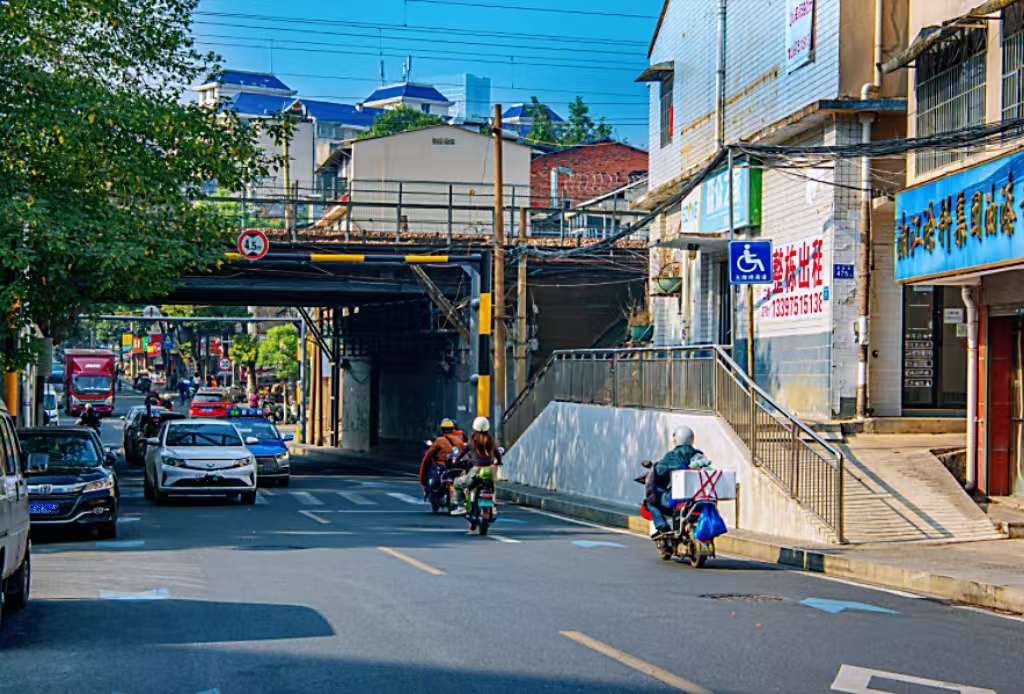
(273,463)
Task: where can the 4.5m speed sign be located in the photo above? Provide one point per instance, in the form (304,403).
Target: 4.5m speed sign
(253,244)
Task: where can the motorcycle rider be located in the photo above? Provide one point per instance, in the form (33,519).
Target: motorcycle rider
(482,452)
(439,453)
(683,456)
(89,418)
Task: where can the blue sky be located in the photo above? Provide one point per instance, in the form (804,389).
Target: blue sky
(337,55)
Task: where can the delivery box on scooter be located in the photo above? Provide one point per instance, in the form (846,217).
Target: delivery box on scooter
(704,484)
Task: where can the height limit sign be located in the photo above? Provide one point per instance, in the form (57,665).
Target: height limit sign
(253,244)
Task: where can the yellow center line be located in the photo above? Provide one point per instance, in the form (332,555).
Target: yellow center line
(318,519)
(637,664)
(409,560)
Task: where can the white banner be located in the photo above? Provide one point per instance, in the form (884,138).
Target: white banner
(798,282)
(799,33)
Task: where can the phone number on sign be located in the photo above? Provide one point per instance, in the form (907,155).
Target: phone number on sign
(793,306)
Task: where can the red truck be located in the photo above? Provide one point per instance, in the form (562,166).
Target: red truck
(89,380)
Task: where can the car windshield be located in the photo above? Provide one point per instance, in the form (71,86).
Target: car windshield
(261,429)
(209,397)
(49,401)
(91,384)
(212,434)
(69,450)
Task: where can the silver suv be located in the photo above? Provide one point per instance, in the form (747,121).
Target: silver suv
(15,545)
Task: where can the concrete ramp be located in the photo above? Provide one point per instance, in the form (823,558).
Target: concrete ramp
(896,490)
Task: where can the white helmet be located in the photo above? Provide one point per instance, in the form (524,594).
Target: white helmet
(481,424)
(682,436)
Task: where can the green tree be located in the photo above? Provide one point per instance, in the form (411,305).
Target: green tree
(245,351)
(542,130)
(280,351)
(102,159)
(580,128)
(398,120)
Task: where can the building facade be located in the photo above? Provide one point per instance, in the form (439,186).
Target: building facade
(794,74)
(470,96)
(959,259)
(584,172)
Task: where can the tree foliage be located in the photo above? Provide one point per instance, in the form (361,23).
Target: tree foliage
(244,349)
(542,130)
(280,351)
(102,159)
(398,120)
(580,128)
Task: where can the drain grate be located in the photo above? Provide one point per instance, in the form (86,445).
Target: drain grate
(742,596)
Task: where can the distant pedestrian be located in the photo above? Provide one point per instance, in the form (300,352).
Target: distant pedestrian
(183,391)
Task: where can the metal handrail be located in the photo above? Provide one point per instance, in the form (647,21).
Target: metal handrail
(699,378)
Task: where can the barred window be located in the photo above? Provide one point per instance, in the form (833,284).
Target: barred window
(950,92)
(667,109)
(1013,61)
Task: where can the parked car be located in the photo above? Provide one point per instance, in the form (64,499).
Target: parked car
(199,457)
(15,541)
(273,462)
(133,434)
(76,485)
(51,406)
(210,402)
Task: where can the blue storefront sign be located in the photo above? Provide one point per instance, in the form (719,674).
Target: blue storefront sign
(962,222)
(750,262)
(842,271)
(714,200)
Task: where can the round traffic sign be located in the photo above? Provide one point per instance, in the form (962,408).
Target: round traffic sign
(224,364)
(253,244)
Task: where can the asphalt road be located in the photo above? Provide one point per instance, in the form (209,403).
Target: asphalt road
(345,583)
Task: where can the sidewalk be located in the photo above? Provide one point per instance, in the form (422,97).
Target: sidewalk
(987,573)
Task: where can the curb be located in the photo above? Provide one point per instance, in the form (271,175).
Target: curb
(959,590)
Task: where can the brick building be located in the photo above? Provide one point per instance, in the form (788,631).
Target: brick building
(593,170)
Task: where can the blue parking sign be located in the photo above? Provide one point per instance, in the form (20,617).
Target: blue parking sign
(750,262)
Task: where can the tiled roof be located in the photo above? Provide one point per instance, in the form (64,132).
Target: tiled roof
(258,104)
(412,91)
(249,79)
(521,111)
(345,114)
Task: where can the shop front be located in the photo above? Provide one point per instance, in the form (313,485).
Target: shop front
(960,256)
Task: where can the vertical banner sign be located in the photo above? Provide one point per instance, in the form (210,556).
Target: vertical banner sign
(127,343)
(798,282)
(799,33)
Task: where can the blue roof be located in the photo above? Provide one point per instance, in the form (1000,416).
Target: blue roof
(521,111)
(249,79)
(412,91)
(248,104)
(345,114)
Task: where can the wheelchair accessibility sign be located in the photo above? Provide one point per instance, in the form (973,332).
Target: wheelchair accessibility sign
(750,262)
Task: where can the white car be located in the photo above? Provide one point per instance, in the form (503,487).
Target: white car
(199,457)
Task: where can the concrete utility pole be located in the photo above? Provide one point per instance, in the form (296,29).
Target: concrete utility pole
(522,343)
(500,371)
(286,170)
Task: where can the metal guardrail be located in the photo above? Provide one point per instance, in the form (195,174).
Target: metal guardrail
(702,380)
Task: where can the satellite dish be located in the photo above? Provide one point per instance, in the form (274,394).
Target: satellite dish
(151,312)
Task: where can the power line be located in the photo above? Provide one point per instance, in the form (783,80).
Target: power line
(523,8)
(426,29)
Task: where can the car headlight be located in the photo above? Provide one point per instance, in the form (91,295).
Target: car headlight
(282,458)
(173,462)
(98,485)
(242,462)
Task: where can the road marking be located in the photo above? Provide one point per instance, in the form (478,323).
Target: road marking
(120,544)
(135,519)
(318,519)
(868,586)
(413,562)
(357,499)
(211,691)
(132,495)
(261,499)
(406,498)
(267,492)
(307,499)
(511,520)
(857,680)
(979,610)
(588,544)
(635,663)
(579,522)
(338,510)
(374,484)
(837,606)
(158,594)
(502,538)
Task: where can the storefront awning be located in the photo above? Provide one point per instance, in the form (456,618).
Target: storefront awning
(658,72)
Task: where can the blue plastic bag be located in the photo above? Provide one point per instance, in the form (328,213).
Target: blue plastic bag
(710,524)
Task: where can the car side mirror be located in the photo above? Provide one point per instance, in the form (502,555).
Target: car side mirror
(153,441)
(109,459)
(288,437)
(122,418)
(251,440)
(37,462)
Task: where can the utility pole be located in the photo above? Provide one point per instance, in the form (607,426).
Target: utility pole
(500,371)
(522,344)
(287,170)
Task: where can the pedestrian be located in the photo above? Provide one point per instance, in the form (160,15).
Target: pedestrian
(183,391)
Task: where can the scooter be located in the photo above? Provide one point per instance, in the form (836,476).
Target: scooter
(481,509)
(679,541)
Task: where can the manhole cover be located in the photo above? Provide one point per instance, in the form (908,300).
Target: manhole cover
(740,596)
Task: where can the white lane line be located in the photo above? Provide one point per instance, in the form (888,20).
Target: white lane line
(854,680)
(318,519)
(333,510)
(357,499)
(502,538)
(879,589)
(136,519)
(158,594)
(120,544)
(406,498)
(579,522)
(261,498)
(132,495)
(307,499)
(982,610)
(267,492)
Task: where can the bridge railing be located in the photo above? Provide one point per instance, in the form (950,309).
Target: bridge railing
(699,379)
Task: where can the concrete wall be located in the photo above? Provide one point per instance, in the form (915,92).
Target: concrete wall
(414,398)
(356,422)
(595,451)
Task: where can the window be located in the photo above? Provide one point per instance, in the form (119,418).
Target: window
(202,435)
(64,450)
(425,108)
(91,385)
(1013,61)
(950,92)
(668,111)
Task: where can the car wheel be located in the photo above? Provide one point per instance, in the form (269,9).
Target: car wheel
(247,498)
(285,482)
(109,531)
(17,588)
(158,496)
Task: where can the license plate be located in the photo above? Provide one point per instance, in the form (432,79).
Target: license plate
(486,503)
(44,507)
(705,547)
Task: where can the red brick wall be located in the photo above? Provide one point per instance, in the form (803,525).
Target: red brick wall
(597,169)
